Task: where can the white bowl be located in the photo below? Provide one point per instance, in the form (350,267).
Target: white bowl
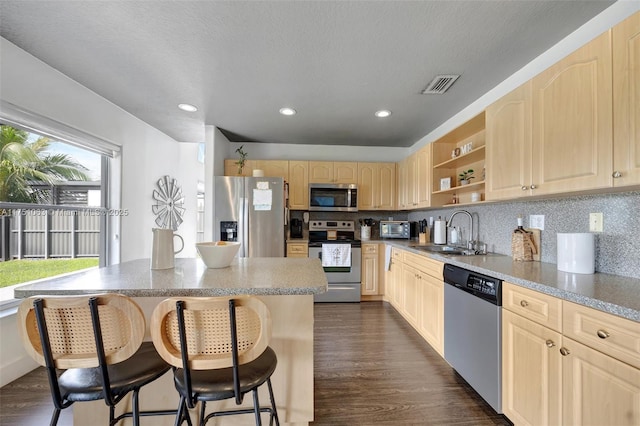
(217,256)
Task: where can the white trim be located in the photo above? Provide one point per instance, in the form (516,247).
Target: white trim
(19,117)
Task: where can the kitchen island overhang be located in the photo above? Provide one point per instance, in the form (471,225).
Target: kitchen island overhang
(286,285)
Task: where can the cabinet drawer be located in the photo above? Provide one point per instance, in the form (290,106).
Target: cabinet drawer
(297,249)
(369,248)
(609,334)
(538,307)
(426,265)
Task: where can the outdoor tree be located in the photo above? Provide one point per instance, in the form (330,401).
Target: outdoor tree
(23,162)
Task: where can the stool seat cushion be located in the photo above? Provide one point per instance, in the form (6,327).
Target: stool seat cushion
(85,384)
(215,385)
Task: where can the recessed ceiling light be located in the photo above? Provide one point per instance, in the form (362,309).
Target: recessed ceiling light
(287,111)
(383,113)
(187,107)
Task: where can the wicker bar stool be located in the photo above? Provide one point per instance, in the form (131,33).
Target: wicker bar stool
(219,346)
(97,341)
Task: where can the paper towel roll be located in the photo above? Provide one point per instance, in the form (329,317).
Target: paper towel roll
(576,253)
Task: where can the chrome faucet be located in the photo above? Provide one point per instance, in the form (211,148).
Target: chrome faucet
(470,223)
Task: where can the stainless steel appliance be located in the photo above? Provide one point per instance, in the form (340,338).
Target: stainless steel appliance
(472,342)
(333,197)
(344,281)
(251,210)
(401,229)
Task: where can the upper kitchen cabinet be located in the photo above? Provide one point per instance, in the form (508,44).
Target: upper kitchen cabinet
(333,172)
(273,168)
(299,185)
(460,150)
(376,186)
(508,149)
(626,102)
(414,180)
(572,122)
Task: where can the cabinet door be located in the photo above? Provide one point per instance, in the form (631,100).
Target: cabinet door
(397,278)
(531,372)
(370,269)
(320,171)
(598,389)
(299,185)
(411,195)
(345,172)
(410,300)
(297,249)
(423,177)
(508,150)
(367,182)
(431,318)
(626,101)
(402,184)
(572,121)
(386,186)
(273,168)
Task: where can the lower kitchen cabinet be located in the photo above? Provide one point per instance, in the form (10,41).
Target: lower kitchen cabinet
(297,249)
(548,378)
(531,372)
(371,269)
(414,287)
(598,389)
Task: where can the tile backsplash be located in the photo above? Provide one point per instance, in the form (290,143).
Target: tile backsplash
(617,247)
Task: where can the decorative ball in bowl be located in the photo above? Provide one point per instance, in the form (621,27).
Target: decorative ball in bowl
(217,254)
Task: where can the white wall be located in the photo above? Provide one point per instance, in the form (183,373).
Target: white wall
(147,154)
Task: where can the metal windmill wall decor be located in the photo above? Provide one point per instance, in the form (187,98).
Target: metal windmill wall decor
(169,202)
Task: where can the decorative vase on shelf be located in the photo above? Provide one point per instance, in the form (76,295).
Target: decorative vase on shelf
(464,182)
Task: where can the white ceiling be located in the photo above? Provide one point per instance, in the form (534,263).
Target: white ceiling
(335,62)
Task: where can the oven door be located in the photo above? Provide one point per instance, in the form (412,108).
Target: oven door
(344,285)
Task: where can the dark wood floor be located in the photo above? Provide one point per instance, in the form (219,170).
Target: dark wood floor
(371,368)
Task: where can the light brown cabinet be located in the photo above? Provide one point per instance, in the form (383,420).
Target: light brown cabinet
(416,291)
(626,102)
(531,361)
(372,271)
(376,186)
(564,363)
(297,249)
(333,172)
(508,151)
(572,121)
(414,180)
(299,185)
(273,168)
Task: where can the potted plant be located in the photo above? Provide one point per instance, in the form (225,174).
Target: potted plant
(466,176)
(242,159)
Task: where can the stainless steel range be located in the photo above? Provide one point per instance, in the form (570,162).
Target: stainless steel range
(334,243)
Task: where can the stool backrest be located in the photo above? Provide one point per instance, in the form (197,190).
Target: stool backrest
(208,330)
(71,331)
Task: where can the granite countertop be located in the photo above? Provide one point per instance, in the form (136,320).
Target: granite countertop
(190,277)
(614,294)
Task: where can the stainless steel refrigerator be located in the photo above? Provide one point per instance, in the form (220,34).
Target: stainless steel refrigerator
(251,210)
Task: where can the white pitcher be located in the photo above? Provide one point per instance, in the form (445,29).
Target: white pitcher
(162,253)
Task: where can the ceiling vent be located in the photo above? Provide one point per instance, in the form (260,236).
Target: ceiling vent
(440,84)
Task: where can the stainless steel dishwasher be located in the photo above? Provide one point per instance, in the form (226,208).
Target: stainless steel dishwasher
(472,342)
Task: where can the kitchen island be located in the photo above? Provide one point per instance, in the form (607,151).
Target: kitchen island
(286,285)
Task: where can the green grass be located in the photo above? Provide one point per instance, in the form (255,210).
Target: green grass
(23,270)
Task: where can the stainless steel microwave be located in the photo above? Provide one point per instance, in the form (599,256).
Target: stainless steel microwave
(333,197)
(397,229)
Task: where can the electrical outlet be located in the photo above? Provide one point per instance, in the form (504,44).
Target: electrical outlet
(536,221)
(596,222)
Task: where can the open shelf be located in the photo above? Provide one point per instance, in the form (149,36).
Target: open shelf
(461,188)
(474,155)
